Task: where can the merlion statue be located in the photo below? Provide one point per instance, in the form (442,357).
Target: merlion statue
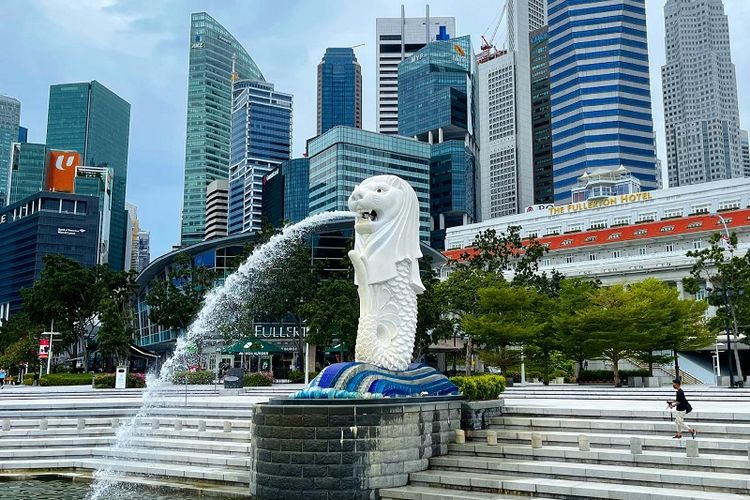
(386,270)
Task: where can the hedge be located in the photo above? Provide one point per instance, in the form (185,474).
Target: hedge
(193,378)
(28,379)
(298,377)
(107,381)
(480,387)
(262,379)
(55,379)
(609,375)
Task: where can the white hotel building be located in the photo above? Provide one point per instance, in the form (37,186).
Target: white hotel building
(625,238)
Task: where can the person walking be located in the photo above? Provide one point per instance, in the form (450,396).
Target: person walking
(683,408)
(3,373)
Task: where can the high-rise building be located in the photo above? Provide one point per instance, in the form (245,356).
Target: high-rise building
(89,118)
(10,117)
(27,170)
(144,250)
(437,97)
(701,112)
(344,156)
(541,118)
(339,90)
(209,114)
(261,140)
(23,134)
(397,38)
(217,208)
(286,192)
(134,227)
(745,143)
(599,85)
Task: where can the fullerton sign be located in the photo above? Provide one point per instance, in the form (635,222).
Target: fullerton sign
(601,203)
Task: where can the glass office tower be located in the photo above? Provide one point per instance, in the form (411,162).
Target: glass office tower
(209,109)
(27,165)
(437,96)
(286,192)
(89,118)
(10,117)
(339,90)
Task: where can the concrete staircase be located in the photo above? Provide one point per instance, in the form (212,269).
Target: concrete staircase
(559,469)
(205,446)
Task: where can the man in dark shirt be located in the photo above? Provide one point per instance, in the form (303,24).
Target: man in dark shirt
(683,408)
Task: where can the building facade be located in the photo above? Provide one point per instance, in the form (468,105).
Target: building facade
(745,143)
(541,117)
(701,111)
(628,238)
(213,50)
(217,209)
(286,192)
(45,223)
(344,156)
(339,90)
(397,38)
(89,118)
(134,226)
(27,170)
(10,119)
(261,140)
(599,84)
(438,105)
(144,250)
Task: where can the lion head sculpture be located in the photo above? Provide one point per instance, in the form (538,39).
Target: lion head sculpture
(387,227)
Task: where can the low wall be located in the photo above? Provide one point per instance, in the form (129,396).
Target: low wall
(344,449)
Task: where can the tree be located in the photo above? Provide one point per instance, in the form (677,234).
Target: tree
(19,341)
(575,296)
(431,326)
(333,313)
(175,301)
(116,312)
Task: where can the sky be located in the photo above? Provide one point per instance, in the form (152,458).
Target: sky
(139,49)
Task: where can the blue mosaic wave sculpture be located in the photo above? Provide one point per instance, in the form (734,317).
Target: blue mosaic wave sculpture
(355,380)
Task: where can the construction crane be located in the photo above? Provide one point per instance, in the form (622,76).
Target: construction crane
(488,49)
(359,45)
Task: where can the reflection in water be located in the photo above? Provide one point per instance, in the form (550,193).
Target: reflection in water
(57,489)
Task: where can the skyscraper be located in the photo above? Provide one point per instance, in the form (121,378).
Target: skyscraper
(541,118)
(745,142)
(437,99)
(397,38)
(261,140)
(10,117)
(209,105)
(344,156)
(286,192)
(134,227)
(144,250)
(26,173)
(217,208)
(599,84)
(339,90)
(89,118)
(701,112)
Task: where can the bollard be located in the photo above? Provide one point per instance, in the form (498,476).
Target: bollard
(43,424)
(636,446)
(201,425)
(115,423)
(492,438)
(227,426)
(691,448)
(583,443)
(536,440)
(81,424)
(178,425)
(460,436)
(155,424)
(6,426)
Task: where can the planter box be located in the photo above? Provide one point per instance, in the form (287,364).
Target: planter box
(651,382)
(635,381)
(557,380)
(476,415)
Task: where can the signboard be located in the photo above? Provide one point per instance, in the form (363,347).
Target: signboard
(279,331)
(538,208)
(43,348)
(600,203)
(69,232)
(61,170)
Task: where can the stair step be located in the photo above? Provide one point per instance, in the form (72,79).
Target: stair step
(429,493)
(153,468)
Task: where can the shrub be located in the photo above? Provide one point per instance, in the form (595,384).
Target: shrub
(28,379)
(260,379)
(107,381)
(480,387)
(56,379)
(298,377)
(193,378)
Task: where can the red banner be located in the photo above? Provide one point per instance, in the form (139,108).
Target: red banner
(61,170)
(43,348)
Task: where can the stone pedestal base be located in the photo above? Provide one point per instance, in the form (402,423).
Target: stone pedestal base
(313,449)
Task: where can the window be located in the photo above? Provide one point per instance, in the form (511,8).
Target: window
(547,262)
(533,234)
(598,224)
(621,221)
(697,245)
(647,217)
(553,231)
(592,256)
(669,247)
(642,251)
(575,228)
(672,212)
(569,259)
(701,209)
(616,254)
(729,205)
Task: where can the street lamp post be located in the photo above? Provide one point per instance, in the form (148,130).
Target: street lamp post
(729,339)
(51,334)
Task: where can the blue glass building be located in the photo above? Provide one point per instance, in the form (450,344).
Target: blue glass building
(27,169)
(345,156)
(286,192)
(89,118)
(339,90)
(600,95)
(23,134)
(437,96)
(10,116)
(261,140)
(42,224)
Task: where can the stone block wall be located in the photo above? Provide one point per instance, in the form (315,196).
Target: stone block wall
(346,450)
